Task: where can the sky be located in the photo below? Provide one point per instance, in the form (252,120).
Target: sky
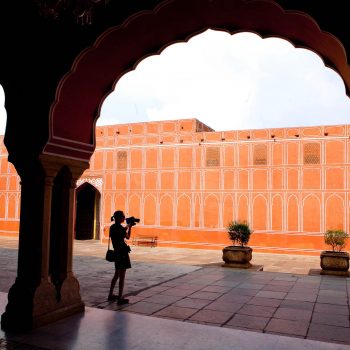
(2,112)
(229,82)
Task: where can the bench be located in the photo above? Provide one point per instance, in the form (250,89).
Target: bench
(145,240)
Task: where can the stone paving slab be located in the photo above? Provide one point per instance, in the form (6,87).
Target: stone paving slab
(289,313)
(104,329)
(94,275)
(248,304)
(179,287)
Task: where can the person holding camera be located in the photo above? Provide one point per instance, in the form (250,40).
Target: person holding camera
(118,234)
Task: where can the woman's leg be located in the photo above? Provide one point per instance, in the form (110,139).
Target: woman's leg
(113,282)
(122,300)
(121,282)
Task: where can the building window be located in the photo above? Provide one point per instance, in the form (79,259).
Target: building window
(213,156)
(121,160)
(312,153)
(260,155)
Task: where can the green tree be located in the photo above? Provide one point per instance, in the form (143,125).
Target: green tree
(239,232)
(336,239)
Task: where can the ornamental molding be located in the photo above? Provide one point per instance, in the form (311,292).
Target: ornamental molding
(94,181)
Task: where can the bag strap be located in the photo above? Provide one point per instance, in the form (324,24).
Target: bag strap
(109,239)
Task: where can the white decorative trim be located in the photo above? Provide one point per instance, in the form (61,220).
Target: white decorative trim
(94,181)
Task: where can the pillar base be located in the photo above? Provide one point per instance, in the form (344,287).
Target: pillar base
(58,314)
(28,309)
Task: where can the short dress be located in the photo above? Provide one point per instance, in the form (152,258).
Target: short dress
(121,249)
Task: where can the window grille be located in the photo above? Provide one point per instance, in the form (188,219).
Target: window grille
(213,156)
(260,155)
(121,160)
(312,153)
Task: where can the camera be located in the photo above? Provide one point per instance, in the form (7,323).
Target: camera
(132,220)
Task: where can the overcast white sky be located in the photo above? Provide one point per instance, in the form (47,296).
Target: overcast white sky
(2,112)
(229,82)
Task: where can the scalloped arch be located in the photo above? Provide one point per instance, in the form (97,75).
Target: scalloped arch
(88,182)
(119,49)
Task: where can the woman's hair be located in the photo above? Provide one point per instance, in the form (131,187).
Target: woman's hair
(117,214)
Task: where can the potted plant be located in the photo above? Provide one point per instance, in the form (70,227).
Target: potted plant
(239,254)
(335,261)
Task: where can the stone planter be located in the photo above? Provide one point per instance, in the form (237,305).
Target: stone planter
(334,263)
(235,256)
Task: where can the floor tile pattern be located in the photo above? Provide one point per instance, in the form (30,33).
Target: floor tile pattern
(190,287)
(311,307)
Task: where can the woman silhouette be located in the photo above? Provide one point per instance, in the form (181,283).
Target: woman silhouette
(118,234)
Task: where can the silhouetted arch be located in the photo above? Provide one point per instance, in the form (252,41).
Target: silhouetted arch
(97,69)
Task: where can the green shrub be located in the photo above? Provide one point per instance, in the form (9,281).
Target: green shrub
(336,239)
(239,232)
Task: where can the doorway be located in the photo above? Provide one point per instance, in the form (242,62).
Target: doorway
(87,221)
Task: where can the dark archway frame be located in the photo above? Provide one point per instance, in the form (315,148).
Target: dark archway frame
(71,142)
(96,70)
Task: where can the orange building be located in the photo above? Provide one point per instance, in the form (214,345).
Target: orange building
(186,182)
(10,195)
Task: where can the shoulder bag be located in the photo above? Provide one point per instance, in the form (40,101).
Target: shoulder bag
(110,254)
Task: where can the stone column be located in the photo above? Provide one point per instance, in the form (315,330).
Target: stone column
(19,310)
(45,288)
(70,295)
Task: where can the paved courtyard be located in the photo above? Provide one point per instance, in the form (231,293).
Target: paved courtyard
(191,286)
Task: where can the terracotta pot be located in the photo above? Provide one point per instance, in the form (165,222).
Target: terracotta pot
(334,263)
(235,256)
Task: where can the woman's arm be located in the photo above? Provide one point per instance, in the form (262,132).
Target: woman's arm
(128,231)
